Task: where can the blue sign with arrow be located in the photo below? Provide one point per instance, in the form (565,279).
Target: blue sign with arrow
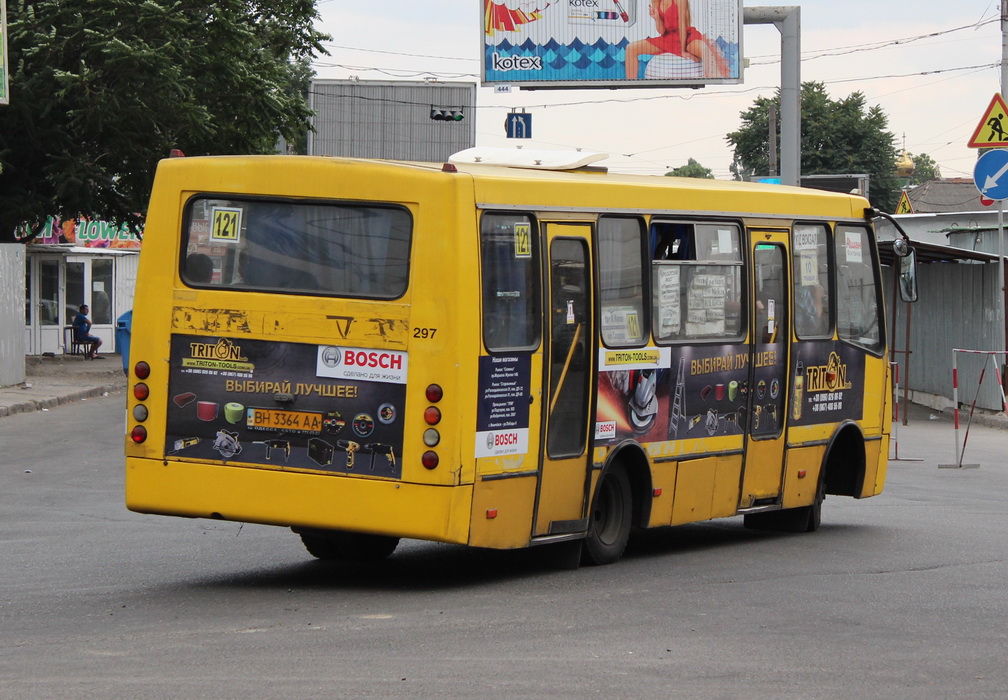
(518,125)
(990,174)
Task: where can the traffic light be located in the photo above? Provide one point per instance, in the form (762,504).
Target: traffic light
(447,114)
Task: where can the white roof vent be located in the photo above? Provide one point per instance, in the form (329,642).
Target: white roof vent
(526,158)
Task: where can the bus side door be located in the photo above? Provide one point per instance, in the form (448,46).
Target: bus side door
(770,334)
(568,375)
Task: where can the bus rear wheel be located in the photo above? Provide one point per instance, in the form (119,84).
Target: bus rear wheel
(335,545)
(609,520)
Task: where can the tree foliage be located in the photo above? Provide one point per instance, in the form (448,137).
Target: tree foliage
(925,169)
(838,137)
(100,90)
(692,169)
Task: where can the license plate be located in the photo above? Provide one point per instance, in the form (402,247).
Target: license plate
(288,421)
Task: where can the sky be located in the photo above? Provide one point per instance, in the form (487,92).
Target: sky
(932,66)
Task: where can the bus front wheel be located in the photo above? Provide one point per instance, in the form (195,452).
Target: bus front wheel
(609,520)
(334,545)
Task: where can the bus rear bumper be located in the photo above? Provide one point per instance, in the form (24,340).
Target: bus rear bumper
(294,499)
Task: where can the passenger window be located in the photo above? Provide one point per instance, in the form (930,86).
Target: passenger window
(697,281)
(811,281)
(509,252)
(858,304)
(621,279)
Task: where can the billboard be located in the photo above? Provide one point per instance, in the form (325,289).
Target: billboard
(4,88)
(611,43)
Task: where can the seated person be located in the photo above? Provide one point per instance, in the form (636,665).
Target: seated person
(199,268)
(82,332)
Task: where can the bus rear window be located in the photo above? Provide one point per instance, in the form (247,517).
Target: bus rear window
(328,249)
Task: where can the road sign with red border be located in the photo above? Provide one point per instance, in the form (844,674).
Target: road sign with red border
(992,131)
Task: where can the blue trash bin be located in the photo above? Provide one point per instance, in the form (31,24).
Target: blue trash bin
(124,327)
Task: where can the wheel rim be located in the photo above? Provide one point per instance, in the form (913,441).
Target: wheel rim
(608,513)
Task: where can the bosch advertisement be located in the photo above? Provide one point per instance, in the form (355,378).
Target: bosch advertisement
(287,405)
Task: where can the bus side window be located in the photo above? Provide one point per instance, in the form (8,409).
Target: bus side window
(857,289)
(810,279)
(509,245)
(621,281)
(697,283)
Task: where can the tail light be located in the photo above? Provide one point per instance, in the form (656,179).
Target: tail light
(432,416)
(141,392)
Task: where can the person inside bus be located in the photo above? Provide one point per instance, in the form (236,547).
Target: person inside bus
(199,268)
(672,242)
(811,310)
(82,333)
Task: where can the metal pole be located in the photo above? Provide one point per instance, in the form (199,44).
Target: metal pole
(1001,251)
(955,405)
(773,140)
(788,23)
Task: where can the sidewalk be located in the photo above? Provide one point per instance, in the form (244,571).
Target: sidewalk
(54,381)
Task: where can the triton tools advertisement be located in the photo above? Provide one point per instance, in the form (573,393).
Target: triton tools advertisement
(657,394)
(287,405)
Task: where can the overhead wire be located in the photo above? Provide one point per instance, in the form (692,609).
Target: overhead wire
(806,56)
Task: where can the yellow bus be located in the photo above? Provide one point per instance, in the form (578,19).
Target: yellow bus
(509,349)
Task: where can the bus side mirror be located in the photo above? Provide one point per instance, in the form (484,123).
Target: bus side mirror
(908,275)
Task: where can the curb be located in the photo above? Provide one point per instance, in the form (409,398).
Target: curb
(32,405)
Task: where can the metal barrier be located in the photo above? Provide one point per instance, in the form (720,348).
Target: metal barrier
(990,354)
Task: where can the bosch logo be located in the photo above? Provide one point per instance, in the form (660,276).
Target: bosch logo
(383,360)
(490,441)
(332,357)
(505,439)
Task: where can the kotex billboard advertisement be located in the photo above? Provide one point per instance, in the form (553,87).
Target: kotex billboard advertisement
(612,43)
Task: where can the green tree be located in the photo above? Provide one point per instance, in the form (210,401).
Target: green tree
(838,136)
(102,89)
(925,169)
(691,169)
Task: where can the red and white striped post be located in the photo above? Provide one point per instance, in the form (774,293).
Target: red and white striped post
(989,356)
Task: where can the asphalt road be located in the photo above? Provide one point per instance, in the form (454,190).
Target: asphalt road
(903,595)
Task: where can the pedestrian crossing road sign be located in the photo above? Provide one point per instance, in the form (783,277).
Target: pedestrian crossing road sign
(992,131)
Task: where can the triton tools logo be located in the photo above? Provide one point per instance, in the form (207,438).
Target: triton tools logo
(223,349)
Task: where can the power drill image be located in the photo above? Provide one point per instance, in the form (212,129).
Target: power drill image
(382,449)
(351,448)
(275,445)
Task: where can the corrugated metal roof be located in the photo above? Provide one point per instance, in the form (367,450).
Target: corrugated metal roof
(934,253)
(945,195)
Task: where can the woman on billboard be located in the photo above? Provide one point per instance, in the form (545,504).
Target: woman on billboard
(676,35)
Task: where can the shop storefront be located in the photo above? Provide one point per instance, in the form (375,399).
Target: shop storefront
(74,263)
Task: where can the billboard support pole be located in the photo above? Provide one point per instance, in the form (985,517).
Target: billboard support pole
(788,23)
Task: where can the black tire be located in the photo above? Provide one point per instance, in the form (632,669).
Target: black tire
(802,519)
(609,520)
(334,545)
